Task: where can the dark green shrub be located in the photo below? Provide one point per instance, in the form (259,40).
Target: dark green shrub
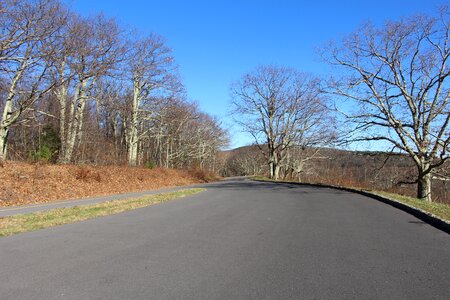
(50,138)
(150,165)
(49,144)
(43,154)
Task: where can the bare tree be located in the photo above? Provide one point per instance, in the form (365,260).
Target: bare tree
(152,72)
(63,75)
(26,39)
(92,49)
(280,108)
(398,77)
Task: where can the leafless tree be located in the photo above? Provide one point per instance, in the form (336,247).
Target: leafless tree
(152,73)
(26,39)
(63,75)
(92,49)
(280,108)
(398,79)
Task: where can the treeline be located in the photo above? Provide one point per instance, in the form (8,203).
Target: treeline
(381,171)
(80,89)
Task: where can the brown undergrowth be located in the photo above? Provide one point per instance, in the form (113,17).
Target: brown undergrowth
(25,183)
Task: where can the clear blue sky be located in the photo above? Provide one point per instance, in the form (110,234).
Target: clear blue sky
(215,42)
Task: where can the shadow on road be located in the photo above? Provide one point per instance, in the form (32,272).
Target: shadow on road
(248,184)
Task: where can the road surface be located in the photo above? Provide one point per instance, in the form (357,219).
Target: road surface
(238,240)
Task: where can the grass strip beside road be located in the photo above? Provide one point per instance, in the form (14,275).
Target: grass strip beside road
(33,221)
(439,210)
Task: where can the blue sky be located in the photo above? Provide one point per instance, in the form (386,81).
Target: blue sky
(216,42)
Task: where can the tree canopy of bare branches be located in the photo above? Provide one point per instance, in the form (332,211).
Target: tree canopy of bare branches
(397,76)
(83,89)
(152,73)
(281,108)
(28,33)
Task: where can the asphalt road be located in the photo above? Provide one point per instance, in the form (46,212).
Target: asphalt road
(238,240)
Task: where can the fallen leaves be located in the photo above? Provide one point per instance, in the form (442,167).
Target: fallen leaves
(24,183)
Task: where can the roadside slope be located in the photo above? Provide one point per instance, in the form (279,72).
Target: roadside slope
(24,183)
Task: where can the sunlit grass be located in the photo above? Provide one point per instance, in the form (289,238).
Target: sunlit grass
(440,210)
(29,222)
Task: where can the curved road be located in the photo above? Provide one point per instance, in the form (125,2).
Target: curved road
(238,240)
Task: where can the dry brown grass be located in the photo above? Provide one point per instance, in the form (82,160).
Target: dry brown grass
(24,183)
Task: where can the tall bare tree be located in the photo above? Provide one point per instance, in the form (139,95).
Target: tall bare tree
(280,108)
(63,75)
(152,71)
(92,48)
(398,77)
(26,39)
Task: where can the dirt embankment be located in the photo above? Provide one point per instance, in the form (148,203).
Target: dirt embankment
(24,183)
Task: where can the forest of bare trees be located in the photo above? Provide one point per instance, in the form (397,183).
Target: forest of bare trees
(379,171)
(85,90)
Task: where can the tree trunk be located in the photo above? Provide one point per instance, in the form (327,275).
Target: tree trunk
(75,121)
(271,170)
(3,143)
(62,98)
(424,187)
(276,171)
(132,154)
(7,117)
(65,157)
(133,134)
(76,129)
(167,154)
